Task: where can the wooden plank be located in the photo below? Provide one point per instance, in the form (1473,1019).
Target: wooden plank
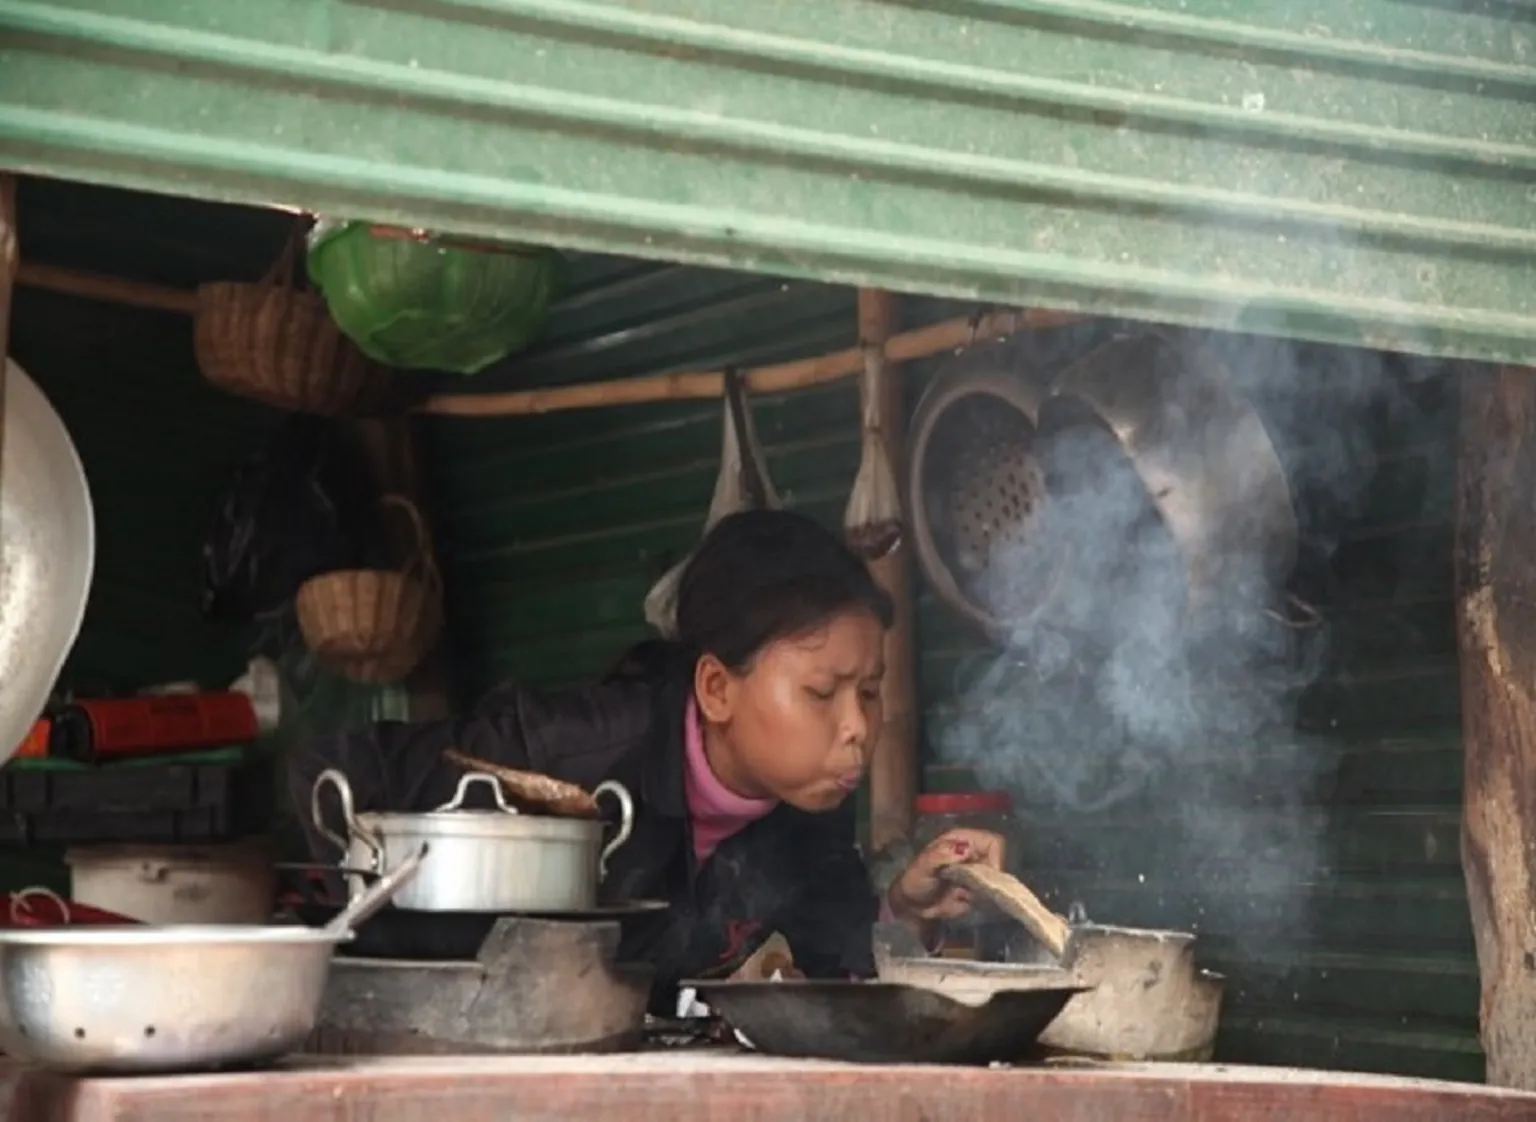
(1496,629)
(708,1087)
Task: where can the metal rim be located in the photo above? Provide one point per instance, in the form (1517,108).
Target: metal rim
(178,935)
(484,825)
(987,371)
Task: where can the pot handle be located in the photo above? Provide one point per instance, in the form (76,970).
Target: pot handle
(468,781)
(20,908)
(332,777)
(626,819)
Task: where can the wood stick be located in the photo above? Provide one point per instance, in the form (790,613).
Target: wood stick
(704,385)
(893,765)
(1013,898)
(110,290)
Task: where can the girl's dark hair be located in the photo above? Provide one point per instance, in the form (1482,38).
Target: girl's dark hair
(763,575)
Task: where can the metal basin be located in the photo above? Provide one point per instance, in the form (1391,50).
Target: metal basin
(1200,449)
(148,999)
(47,551)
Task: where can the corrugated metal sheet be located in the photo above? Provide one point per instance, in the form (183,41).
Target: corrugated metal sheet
(1352,170)
(552,528)
(1321,870)
(157,442)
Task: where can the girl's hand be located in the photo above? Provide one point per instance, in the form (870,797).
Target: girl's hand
(919,894)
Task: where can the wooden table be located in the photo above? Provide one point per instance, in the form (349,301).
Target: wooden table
(695,1087)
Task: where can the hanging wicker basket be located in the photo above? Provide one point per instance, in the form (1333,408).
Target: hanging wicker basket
(375,625)
(276,342)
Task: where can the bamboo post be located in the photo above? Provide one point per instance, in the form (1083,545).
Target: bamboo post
(893,766)
(1496,634)
(10,261)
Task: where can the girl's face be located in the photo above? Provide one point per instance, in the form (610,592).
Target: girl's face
(800,723)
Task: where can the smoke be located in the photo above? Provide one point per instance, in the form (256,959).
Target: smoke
(1157,731)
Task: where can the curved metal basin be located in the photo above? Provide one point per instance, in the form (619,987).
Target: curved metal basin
(47,553)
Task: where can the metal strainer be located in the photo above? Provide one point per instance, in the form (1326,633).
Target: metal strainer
(978,491)
(994,484)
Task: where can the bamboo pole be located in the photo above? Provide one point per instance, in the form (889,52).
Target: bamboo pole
(10,260)
(704,385)
(110,290)
(893,765)
(692,385)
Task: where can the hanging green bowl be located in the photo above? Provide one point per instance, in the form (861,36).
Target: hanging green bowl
(422,303)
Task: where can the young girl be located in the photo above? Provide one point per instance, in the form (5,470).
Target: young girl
(740,742)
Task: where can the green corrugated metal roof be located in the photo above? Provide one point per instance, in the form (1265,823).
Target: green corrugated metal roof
(1357,169)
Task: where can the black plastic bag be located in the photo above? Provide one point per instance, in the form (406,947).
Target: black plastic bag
(297,508)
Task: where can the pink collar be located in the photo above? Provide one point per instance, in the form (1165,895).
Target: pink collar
(716,811)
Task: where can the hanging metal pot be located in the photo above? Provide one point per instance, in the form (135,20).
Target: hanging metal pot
(1200,450)
(975,485)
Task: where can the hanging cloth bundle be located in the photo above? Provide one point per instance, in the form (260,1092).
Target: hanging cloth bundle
(872,521)
(742,484)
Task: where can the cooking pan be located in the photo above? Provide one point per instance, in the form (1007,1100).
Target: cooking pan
(884,1023)
(1147,1000)
(47,552)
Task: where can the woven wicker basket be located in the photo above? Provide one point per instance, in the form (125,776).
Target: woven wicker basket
(275,342)
(375,625)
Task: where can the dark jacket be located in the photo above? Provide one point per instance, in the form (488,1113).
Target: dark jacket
(792,872)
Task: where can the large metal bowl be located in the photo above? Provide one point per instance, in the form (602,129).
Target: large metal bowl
(1201,451)
(47,551)
(148,999)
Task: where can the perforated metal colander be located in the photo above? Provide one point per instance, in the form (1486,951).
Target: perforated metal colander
(994,485)
(978,491)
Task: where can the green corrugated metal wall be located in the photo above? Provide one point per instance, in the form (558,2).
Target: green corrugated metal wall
(157,442)
(552,528)
(1345,170)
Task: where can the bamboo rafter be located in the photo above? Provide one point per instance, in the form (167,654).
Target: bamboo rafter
(688,385)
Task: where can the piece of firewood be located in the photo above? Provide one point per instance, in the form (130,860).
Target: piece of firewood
(1013,898)
(531,791)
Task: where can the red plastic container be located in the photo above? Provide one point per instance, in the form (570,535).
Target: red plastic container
(42,907)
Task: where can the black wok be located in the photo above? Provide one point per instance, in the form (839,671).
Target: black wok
(879,1022)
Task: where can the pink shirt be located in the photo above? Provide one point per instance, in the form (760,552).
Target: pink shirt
(716,811)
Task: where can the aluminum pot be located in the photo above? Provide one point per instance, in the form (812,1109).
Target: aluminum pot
(481,860)
(1146,999)
(1201,450)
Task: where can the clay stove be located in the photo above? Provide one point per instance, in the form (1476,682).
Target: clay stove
(534,986)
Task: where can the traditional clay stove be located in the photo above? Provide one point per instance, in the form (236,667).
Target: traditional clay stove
(533,986)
